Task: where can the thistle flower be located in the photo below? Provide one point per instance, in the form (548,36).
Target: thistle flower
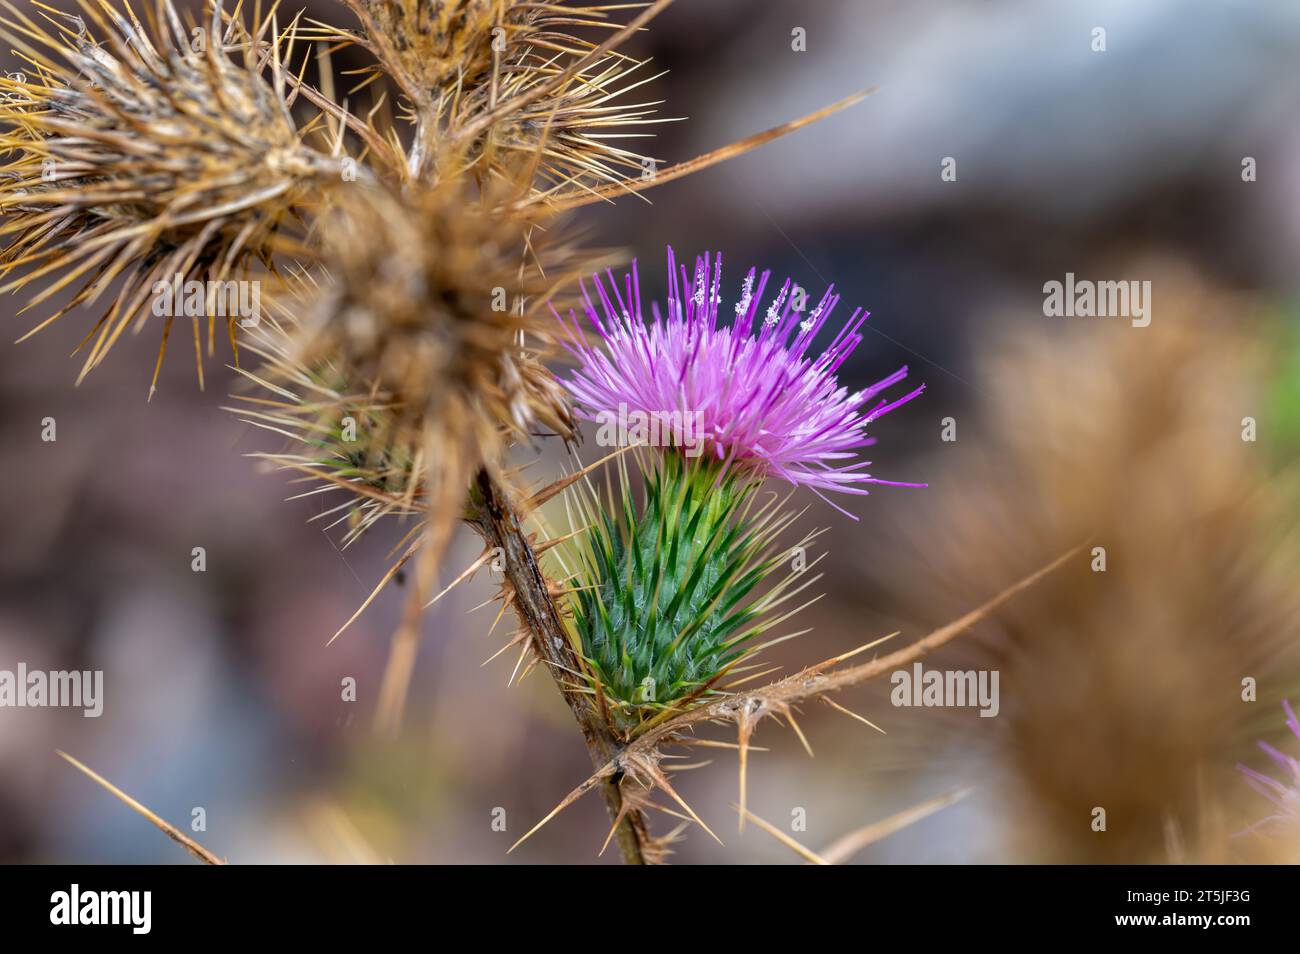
(661,606)
(1284,793)
(145,154)
(758,401)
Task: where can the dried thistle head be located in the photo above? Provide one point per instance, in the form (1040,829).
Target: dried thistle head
(142,152)
(448,42)
(428,330)
(439,302)
(344,438)
(508,78)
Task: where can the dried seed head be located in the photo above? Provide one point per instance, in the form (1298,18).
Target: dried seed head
(143,153)
(436,41)
(437,302)
(428,332)
(504,78)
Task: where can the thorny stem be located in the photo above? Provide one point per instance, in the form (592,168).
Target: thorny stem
(497,522)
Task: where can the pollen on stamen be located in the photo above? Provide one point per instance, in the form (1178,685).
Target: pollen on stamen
(746,296)
(774,311)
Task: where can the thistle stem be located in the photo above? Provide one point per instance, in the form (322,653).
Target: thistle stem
(497,521)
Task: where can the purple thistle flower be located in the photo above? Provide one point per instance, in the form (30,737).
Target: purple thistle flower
(1284,794)
(759,399)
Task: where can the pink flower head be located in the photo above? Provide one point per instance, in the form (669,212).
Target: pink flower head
(755,394)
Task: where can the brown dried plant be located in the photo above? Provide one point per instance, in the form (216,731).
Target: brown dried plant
(1125,680)
(142,152)
(502,80)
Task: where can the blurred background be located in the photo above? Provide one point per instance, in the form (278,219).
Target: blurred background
(1120,689)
